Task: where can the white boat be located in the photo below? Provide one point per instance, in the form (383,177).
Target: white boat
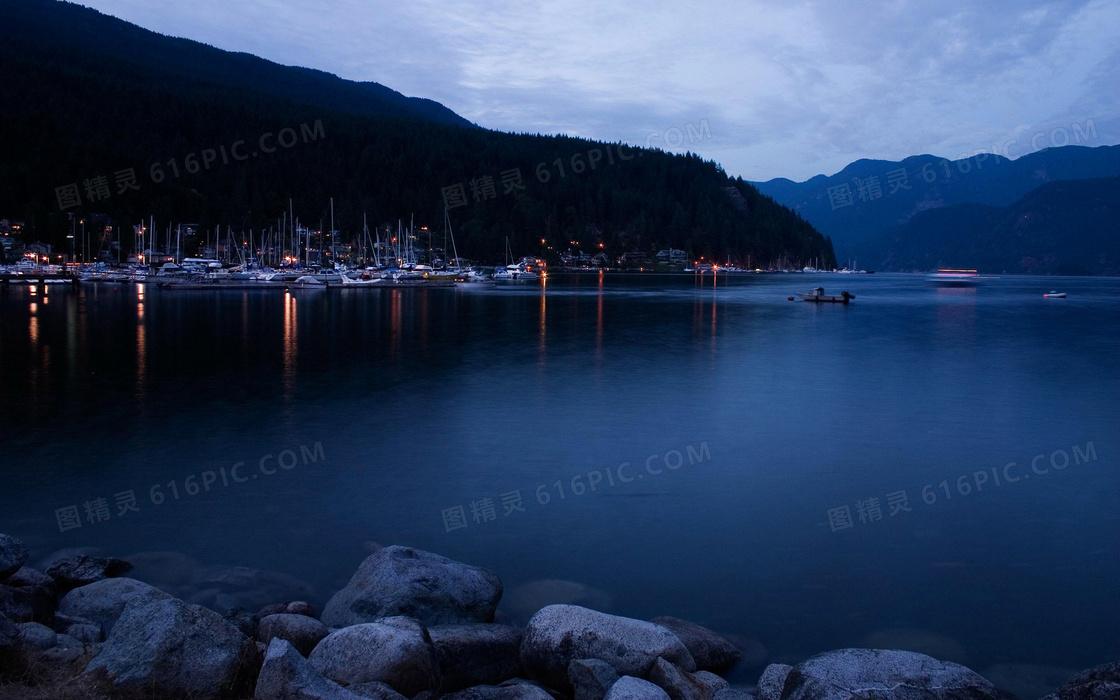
(954,278)
(1054,295)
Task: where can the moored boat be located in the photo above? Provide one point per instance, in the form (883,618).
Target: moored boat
(817,295)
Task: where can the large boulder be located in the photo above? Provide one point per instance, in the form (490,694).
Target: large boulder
(772,682)
(848,674)
(679,684)
(1098,683)
(13,554)
(103,602)
(591,678)
(631,688)
(82,570)
(558,634)
(286,675)
(302,632)
(709,650)
(393,650)
(404,581)
(475,654)
(172,648)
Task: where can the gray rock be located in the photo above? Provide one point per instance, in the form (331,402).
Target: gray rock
(393,651)
(13,554)
(68,641)
(24,604)
(772,681)
(32,635)
(302,632)
(711,681)
(525,600)
(558,634)
(377,691)
(1097,683)
(82,570)
(406,581)
(709,650)
(64,655)
(846,674)
(87,634)
(169,647)
(300,607)
(27,577)
(475,654)
(631,688)
(680,685)
(591,678)
(103,602)
(517,691)
(286,675)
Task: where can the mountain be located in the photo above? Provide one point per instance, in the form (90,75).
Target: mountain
(874,195)
(86,40)
(1070,227)
(89,96)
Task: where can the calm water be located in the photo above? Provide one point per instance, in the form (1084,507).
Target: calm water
(428,400)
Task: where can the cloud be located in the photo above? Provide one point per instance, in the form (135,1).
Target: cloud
(787,89)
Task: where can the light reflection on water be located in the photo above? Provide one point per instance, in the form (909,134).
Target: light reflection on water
(426,399)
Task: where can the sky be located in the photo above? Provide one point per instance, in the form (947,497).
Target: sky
(778,89)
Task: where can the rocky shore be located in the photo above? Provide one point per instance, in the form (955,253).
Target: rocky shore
(409,624)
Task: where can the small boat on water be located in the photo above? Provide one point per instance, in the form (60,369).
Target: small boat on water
(1054,295)
(954,278)
(817,295)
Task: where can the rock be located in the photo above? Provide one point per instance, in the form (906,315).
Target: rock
(286,675)
(406,581)
(1097,683)
(13,554)
(27,577)
(273,609)
(1028,681)
(104,601)
(591,678)
(631,688)
(525,600)
(680,685)
(885,674)
(475,654)
(517,691)
(377,691)
(302,632)
(86,631)
(711,681)
(46,562)
(301,607)
(32,635)
(558,634)
(243,620)
(82,570)
(168,647)
(393,650)
(925,642)
(772,681)
(709,650)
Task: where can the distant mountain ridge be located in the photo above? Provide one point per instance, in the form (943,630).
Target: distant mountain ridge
(67,29)
(869,196)
(1068,227)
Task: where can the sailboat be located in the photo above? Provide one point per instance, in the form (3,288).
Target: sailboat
(514,272)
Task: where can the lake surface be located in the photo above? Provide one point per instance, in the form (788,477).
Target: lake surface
(773,413)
